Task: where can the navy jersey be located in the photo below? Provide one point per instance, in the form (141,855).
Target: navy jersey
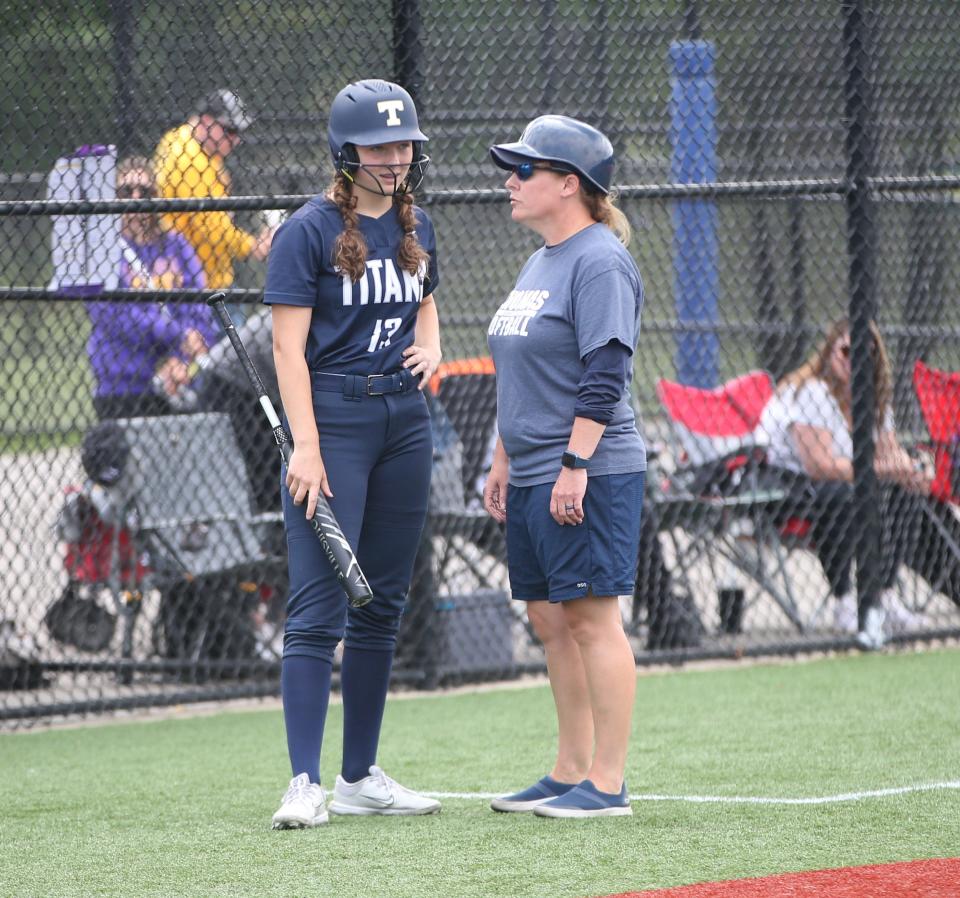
(357,328)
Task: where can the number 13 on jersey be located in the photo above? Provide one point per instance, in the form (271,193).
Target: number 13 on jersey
(385,328)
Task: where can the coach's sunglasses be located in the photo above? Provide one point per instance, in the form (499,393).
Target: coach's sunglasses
(525,170)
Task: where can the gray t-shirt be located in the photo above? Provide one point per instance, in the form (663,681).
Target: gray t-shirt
(569,299)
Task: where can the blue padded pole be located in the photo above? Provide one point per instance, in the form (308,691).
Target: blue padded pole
(693,136)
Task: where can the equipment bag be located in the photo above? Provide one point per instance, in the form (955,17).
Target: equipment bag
(80,621)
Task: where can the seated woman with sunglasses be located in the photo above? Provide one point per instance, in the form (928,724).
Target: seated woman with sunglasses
(141,352)
(810,454)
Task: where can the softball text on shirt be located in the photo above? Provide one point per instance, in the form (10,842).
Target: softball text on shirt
(512,317)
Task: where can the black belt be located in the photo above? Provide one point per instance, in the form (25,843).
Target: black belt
(356,386)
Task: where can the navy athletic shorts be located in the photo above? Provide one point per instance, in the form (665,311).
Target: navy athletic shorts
(597,557)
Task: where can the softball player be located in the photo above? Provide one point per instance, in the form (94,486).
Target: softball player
(350,279)
(568,469)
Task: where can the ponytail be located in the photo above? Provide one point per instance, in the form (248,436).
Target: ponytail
(601,208)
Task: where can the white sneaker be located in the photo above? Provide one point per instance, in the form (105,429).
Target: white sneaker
(378,794)
(304,804)
(845,613)
(899,619)
(872,637)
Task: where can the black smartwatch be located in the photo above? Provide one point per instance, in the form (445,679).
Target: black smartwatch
(572,460)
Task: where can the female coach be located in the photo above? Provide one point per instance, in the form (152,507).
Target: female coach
(568,470)
(350,279)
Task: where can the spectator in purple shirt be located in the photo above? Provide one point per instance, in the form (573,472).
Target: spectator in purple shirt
(141,352)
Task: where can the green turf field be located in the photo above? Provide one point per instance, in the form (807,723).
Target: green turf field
(182,806)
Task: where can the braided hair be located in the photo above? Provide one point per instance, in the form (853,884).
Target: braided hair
(350,249)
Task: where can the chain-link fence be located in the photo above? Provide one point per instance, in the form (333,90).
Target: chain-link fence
(784,166)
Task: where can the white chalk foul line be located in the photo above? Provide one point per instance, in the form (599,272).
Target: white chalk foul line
(742,799)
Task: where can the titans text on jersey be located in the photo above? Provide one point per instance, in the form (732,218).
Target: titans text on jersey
(388,283)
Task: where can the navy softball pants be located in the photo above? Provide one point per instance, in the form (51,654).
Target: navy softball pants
(377,451)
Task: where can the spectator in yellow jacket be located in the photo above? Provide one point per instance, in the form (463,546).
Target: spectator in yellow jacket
(190,162)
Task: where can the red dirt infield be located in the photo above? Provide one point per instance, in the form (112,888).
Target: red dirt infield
(936,878)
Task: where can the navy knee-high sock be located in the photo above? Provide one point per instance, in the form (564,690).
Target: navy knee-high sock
(305,686)
(364,677)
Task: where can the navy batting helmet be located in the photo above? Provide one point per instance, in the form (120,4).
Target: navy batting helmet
(565,141)
(371,112)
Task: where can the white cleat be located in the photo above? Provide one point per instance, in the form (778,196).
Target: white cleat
(378,794)
(304,805)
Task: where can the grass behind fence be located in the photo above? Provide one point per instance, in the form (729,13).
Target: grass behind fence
(182,806)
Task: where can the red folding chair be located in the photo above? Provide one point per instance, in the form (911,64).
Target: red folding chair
(938,393)
(718,423)
(714,494)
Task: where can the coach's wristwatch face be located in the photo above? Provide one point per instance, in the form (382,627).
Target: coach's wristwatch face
(572,460)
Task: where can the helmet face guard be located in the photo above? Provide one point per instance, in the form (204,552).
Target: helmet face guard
(348,163)
(566,142)
(372,112)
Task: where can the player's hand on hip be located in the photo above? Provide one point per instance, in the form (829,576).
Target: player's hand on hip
(566,499)
(422,361)
(495,493)
(307,478)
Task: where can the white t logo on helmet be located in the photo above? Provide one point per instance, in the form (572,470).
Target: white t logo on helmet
(391,107)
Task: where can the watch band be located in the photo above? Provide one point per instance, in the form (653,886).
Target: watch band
(572,460)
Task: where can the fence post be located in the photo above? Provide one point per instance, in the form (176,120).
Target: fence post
(927,235)
(770,353)
(693,138)
(125,115)
(407,49)
(795,346)
(546,22)
(862,277)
